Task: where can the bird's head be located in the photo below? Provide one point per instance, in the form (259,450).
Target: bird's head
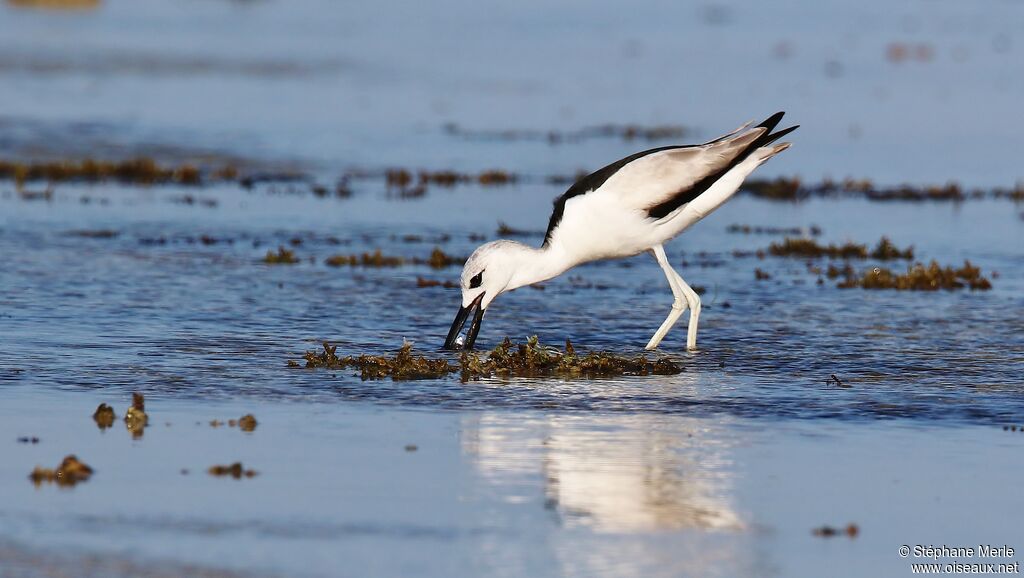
(488,272)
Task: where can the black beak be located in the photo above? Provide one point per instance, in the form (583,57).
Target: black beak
(460,320)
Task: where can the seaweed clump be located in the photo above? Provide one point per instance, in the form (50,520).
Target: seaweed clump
(504,230)
(70,472)
(532,360)
(403,366)
(507,359)
(281,257)
(235,470)
(422,282)
(885,250)
(810,249)
(850,531)
(104,416)
(375,259)
(438,259)
(780,189)
(246,423)
(142,170)
(135,419)
(626,132)
(918,277)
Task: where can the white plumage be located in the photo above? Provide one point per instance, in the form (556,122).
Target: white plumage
(633,205)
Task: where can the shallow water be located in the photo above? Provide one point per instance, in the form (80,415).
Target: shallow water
(721,470)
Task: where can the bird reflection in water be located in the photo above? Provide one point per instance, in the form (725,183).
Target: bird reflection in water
(635,473)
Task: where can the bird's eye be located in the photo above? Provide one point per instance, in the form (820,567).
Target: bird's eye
(476,280)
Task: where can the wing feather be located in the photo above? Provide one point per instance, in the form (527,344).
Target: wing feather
(660,180)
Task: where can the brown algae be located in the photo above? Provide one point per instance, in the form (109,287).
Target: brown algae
(235,470)
(281,257)
(104,416)
(532,360)
(142,170)
(918,277)
(246,423)
(813,230)
(885,250)
(135,419)
(403,366)
(409,185)
(850,531)
(626,132)
(375,259)
(71,471)
(422,282)
(438,259)
(504,230)
(507,359)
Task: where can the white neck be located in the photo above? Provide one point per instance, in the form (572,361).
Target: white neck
(536,265)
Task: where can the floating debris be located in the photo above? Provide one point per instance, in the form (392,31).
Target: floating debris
(235,470)
(43,195)
(402,180)
(626,132)
(135,419)
(504,230)
(56,4)
(813,230)
(104,416)
(281,257)
(807,248)
(28,440)
(834,380)
(422,282)
(533,360)
(70,472)
(792,189)
(494,178)
(191,200)
(95,234)
(919,278)
(850,531)
(411,447)
(246,423)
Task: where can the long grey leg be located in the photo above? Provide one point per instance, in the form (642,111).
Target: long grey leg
(678,305)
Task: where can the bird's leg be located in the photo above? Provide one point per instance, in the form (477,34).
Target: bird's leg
(678,305)
(693,300)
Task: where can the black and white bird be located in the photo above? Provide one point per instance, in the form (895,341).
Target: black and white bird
(633,205)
